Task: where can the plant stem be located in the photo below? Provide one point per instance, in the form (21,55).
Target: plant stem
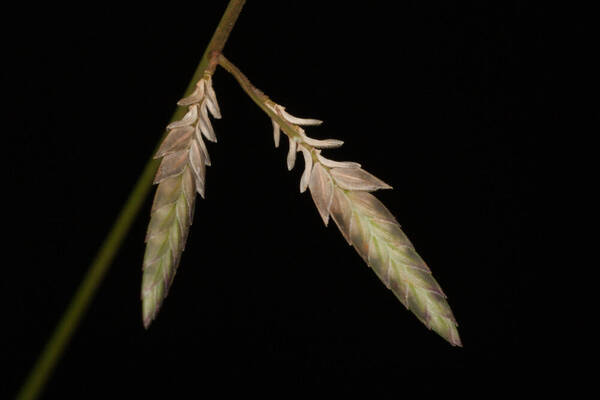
(256,95)
(97,270)
(208,63)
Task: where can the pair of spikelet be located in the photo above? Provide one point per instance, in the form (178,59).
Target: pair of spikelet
(340,190)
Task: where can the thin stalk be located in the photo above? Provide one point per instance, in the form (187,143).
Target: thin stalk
(256,95)
(97,270)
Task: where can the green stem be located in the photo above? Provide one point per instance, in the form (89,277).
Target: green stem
(97,270)
(209,60)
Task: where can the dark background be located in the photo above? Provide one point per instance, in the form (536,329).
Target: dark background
(440,100)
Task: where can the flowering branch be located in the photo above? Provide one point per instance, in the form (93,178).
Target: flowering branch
(180,175)
(342,190)
(69,321)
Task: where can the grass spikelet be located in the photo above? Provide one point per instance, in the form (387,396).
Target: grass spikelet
(180,176)
(341,190)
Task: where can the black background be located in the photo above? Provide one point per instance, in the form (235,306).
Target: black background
(437,99)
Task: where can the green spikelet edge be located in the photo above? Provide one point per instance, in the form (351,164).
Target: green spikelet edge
(171,217)
(376,235)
